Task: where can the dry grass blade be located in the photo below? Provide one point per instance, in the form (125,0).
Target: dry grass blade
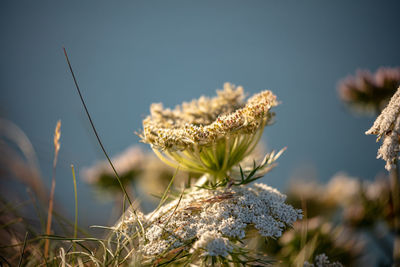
(76,206)
(56,140)
(57,135)
(23,250)
(18,157)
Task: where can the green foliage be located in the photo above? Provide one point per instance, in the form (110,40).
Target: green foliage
(247,176)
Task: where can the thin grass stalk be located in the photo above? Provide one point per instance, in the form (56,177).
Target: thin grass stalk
(61,219)
(23,250)
(226,156)
(76,203)
(76,208)
(176,207)
(94,128)
(123,207)
(37,210)
(14,221)
(304,224)
(164,197)
(57,134)
(99,140)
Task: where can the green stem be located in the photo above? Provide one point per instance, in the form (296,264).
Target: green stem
(99,140)
(94,129)
(76,205)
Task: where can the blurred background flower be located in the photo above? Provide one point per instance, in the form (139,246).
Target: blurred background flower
(367,92)
(311,237)
(128,164)
(346,218)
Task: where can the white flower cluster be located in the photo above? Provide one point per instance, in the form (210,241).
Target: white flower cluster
(214,244)
(387,125)
(208,220)
(322,260)
(342,188)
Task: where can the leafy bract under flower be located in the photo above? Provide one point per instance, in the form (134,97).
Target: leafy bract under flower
(209,135)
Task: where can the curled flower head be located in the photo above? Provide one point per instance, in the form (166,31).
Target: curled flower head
(129,165)
(370,92)
(209,135)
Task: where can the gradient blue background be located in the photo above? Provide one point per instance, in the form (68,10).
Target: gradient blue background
(129,54)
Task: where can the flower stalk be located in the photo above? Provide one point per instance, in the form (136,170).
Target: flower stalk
(57,135)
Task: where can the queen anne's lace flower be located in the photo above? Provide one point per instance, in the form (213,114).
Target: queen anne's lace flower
(209,135)
(387,126)
(213,244)
(210,220)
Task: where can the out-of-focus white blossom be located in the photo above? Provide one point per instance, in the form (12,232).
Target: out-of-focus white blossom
(376,189)
(128,165)
(387,126)
(368,91)
(343,188)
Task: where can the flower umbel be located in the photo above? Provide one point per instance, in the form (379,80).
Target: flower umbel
(213,222)
(209,135)
(129,164)
(368,91)
(387,125)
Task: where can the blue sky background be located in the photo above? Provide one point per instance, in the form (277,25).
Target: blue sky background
(129,54)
